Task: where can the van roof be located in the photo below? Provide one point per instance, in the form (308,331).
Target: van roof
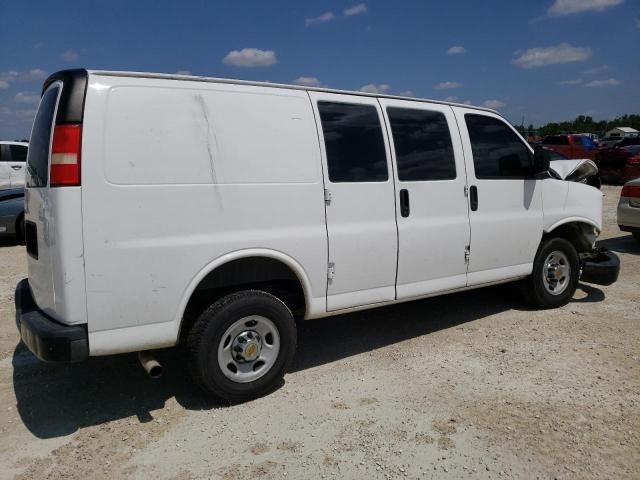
(194,78)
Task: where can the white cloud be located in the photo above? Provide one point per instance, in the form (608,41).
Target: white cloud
(570,82)
(373,88)
(543,56)
(4,84)
(308,82)
(609,82)
(356,9)
(407,93)
(324,18)
(569,7)
(467,102)
(451,98)
(594,70)
(183,72)
(456,50)
(26,114)
(447,85)
(26,76)
(250,57)
(494,104)
(638,22)
(27,97)
(70,56)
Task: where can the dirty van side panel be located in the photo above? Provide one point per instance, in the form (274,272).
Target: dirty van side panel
(183,173)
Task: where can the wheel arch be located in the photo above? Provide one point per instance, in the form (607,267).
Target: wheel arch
(226,261)
(580,231)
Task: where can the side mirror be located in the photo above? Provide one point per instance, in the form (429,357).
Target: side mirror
(541,159)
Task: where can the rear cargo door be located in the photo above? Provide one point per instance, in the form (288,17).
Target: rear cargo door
(37,206)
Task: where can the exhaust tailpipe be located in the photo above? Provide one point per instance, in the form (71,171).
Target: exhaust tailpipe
(150,364)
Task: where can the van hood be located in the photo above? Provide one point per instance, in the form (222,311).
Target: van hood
(574,170)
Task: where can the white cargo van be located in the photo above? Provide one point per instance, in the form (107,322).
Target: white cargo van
(165,209)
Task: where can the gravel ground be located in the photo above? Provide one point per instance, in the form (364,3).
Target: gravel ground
(467,385)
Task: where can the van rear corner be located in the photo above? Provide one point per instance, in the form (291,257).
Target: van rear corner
(51,311)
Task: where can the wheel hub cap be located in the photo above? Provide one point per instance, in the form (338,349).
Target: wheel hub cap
(247,346)
(556,273)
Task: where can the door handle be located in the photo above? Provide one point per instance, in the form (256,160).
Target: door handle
(404,202)
(16,167)
(473,197)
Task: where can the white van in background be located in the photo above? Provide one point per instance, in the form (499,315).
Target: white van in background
(166,209)
(13,157)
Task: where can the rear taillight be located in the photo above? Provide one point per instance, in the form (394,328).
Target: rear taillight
(65,155)
(630,191)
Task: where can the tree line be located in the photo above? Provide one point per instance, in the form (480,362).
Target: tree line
(581,124)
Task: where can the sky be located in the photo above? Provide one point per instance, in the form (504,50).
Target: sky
(541,60)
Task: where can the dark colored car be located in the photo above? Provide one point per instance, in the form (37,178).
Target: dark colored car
(619,164)
(571,146)
(12,213)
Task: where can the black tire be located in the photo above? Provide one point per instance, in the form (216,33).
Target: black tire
(636,235)
(206,335)
(20,229)
(534,290)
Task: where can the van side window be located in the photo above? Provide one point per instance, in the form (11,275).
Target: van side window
(422,143)
(18,153)
(354,142)
(497,150)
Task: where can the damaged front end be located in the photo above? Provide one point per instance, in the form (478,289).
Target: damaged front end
(576,170)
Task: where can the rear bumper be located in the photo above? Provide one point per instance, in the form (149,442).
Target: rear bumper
(49,340)
(601,268)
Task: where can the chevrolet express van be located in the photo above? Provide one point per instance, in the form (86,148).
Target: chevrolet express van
(167,209)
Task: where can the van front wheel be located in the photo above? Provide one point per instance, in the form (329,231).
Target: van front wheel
(555,275)
(241,346)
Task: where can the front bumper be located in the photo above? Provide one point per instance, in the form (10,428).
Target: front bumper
(601,267)
(49,340)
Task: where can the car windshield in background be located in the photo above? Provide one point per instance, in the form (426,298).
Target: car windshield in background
(629,141)
(556,140)
(632,149)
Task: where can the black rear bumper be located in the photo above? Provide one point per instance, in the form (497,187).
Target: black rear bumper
(49,340)
(601,268)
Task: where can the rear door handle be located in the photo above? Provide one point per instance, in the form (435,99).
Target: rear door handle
(404,202)
(473,197)
(16,167)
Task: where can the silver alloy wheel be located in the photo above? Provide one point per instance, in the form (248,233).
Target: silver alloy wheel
(248,349)
(556,272)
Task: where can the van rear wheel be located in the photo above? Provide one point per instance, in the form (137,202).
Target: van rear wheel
(242,345)
(554,279)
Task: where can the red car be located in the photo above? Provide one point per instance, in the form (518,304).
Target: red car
(571,146)
(620,164)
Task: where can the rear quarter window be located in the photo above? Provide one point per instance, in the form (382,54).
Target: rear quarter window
(40,143)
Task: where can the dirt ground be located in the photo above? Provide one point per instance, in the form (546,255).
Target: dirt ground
(470,385)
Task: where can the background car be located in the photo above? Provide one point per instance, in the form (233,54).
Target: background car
(571,146)
(12,213)
(629,208)
(619,164)
(13,157)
